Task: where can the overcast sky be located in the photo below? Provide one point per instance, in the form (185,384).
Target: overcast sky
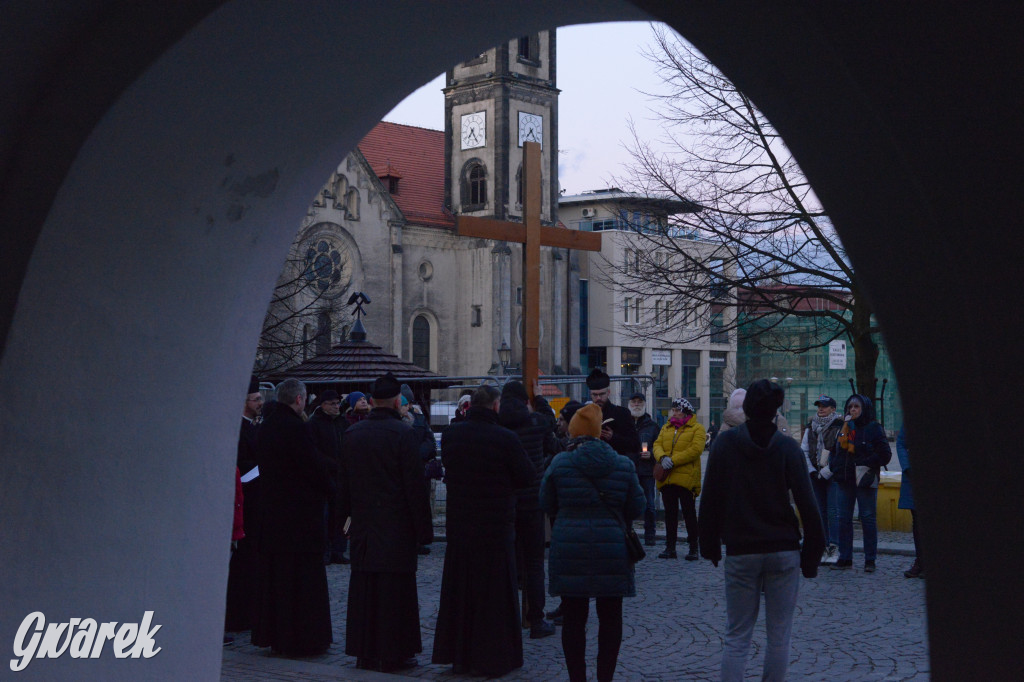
(600,73)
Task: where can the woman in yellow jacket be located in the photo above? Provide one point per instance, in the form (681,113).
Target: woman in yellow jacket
(678,449)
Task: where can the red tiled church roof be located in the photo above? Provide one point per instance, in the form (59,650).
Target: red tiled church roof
(416,156)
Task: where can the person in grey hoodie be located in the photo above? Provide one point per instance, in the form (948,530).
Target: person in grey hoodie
(752,469)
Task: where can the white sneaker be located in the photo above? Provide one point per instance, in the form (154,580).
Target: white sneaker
(831,555)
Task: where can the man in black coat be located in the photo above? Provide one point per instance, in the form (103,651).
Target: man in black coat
(327,426)
(619,433)
(647,430)
(294,612)
(478,622)
(535,429)
(242,571)
(382,490)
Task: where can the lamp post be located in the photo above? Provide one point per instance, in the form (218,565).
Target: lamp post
(504,357)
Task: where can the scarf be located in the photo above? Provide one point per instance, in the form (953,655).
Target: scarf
(819,424)
(679,421)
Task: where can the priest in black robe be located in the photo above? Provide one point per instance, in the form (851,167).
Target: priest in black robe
(294,611)
(620,432)
(242,572)
(382,490)
(478,621)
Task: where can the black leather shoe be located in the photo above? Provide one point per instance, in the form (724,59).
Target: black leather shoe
(556,613)
(541,629)
(692,556)
(423,550)
(668,554)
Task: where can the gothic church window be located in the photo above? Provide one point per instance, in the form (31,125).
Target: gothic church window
(474,185)
(421,342)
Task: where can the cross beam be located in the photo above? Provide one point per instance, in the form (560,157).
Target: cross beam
(533,235)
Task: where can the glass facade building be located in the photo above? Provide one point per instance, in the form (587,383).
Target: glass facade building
(806,375)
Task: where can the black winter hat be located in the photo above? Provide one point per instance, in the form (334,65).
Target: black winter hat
(597,380)
(254,386)
(386,387)
(763,400)
(329,394)
(569,409)
(515,389)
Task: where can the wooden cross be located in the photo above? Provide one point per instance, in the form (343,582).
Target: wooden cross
(533,235)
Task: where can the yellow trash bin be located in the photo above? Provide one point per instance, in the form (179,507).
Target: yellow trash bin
(890,516)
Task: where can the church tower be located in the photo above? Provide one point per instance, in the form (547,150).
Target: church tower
(494,103)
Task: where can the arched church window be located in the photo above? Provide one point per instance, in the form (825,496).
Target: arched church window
(421,342)
(519,186)
(323,333)
(474,185)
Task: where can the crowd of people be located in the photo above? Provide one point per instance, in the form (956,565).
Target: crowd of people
(353,475)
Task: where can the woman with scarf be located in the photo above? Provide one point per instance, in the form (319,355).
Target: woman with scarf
(677,450)
(856,461)
(818,442)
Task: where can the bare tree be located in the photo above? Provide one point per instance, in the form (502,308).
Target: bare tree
(762,250)
(300,315)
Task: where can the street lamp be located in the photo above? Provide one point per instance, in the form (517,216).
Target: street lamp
(504,356)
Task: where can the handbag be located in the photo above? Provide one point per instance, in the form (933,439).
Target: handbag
(660,473)
(866,477)
(634,548)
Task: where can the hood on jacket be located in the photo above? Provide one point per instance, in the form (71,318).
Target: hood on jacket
(513,413)
(593,457)
(733,414)
(867,413)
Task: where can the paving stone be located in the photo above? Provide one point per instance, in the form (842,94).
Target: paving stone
(848,625)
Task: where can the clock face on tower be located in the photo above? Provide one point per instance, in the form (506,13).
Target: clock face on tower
(531,128)
(474,130)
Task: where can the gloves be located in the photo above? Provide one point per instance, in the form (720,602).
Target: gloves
(825,472)
(666,462)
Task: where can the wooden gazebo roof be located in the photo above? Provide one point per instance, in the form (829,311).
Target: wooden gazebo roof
(354,365)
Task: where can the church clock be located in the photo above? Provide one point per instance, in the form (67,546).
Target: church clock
(474,130)
(494,104)
(531,128)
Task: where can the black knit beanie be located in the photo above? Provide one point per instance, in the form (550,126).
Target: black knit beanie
(763,400)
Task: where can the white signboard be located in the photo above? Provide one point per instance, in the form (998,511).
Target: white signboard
(661,357)
(837,355)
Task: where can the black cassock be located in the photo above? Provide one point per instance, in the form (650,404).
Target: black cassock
(243,570)
(478,621)
(382,490)
(293,606)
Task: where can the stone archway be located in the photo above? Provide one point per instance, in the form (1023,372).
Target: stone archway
(149,234)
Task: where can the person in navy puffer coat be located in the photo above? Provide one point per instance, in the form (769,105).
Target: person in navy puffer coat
(591,491)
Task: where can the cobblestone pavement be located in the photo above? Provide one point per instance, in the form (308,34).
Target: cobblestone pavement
(849,625)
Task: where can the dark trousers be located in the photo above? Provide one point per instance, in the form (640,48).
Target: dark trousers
(650,515)
(530,542)
(336,543)
(674,497)
(575,611)
(917,539)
